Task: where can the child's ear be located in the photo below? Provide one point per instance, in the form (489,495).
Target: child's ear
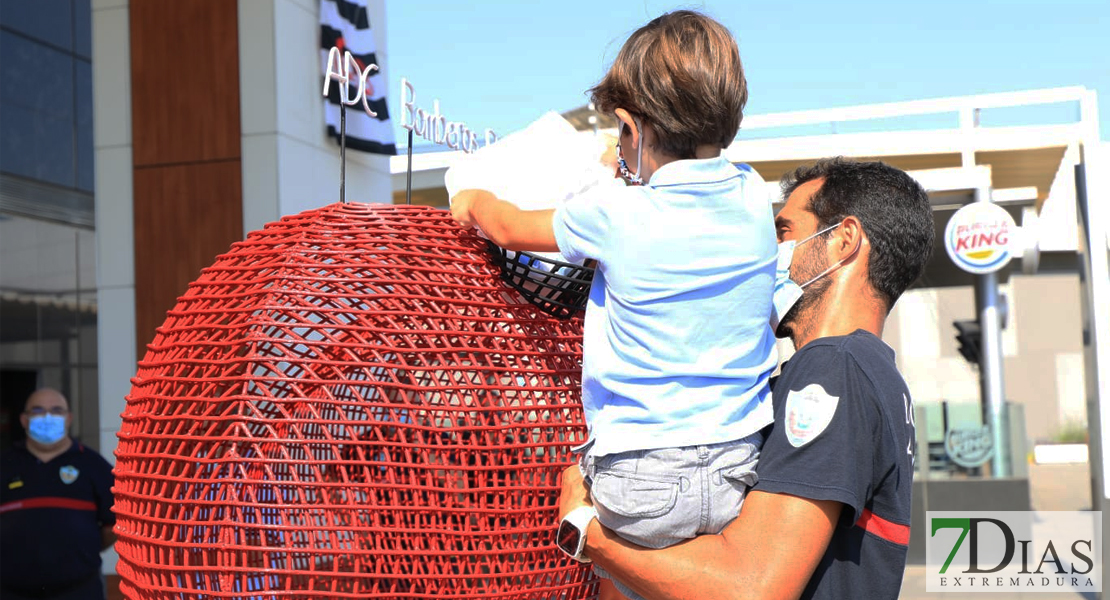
(625,117)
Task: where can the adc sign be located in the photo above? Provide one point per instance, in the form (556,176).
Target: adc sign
(979,237)
(345,69)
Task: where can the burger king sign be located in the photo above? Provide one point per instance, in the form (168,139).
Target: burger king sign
(979,237)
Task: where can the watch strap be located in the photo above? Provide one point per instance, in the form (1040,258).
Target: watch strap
(580,519)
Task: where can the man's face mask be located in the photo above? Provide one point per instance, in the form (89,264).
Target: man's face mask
(787,292)
(47,429)
(630,177)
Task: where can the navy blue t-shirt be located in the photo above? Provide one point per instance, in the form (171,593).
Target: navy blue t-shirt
(51,516)
(844,431)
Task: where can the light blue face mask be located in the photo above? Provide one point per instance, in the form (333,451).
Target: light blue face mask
(787,292)
(47,429)
(630,177)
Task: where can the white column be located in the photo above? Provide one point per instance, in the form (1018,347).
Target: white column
(115,263)
(289,163)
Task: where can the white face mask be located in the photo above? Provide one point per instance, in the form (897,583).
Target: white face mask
(787,292)
(630,177)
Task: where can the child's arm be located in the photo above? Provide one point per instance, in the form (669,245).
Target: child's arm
(503,223)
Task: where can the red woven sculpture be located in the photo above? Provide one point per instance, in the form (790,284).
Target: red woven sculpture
(350,404)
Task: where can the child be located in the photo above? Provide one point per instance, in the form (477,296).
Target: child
(677,352)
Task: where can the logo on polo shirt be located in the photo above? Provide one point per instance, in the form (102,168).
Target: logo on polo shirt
(808,412)
(68,474)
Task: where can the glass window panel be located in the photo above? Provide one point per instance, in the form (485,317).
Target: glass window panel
(86,265)
(13,351)
(35,146)
(85,388)
(85,166)
(86,338)
(42,257)
(48,20)
(82,28)
(35,76)
(52,376)
(47,316)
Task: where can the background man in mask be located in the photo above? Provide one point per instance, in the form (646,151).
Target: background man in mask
(829,516)
(55,508)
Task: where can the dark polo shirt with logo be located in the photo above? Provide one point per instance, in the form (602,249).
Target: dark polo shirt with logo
(50,519)
(844,431)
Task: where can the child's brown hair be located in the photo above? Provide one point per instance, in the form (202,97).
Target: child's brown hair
(682,74)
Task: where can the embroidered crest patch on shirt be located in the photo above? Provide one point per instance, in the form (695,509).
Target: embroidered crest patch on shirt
(808,413)
(68,474)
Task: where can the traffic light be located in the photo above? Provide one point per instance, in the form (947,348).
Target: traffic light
(969,335)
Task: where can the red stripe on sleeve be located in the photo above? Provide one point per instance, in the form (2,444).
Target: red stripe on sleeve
(48,502)
(891,532)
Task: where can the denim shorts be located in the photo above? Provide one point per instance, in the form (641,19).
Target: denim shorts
(658,498)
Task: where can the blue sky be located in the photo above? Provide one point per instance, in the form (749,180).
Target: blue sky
(501,64)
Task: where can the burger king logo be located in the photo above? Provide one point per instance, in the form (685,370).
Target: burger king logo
(978,237)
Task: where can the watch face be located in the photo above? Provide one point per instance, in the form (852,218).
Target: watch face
(568,537)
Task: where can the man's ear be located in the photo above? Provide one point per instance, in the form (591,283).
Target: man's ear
(850,238)
(625,117)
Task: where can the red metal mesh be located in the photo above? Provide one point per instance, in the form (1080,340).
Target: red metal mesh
(350,404)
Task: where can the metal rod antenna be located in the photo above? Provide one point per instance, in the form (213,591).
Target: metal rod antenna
(408,177)
(342,152)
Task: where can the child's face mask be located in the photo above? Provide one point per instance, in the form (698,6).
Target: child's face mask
(630,177)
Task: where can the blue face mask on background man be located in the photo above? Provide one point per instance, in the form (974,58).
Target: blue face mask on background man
(47,429)
(787,291)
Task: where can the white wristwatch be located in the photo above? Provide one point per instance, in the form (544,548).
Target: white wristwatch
(571,537)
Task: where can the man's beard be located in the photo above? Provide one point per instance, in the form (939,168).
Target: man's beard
(809,264)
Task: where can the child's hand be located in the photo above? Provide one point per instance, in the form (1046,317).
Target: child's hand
(460,207)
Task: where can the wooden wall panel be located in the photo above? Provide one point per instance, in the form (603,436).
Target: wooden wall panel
(186,142)
(184,81)
(185,219)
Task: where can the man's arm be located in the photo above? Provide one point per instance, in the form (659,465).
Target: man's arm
(503,223)
(770,551)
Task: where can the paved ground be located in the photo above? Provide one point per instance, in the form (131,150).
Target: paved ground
(1053,487)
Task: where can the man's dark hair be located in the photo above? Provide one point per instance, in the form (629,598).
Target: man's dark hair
(892,207)
(680,73)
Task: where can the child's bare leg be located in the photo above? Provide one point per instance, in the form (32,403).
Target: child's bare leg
(608,591)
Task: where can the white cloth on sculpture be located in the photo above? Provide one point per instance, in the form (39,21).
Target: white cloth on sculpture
(536,168)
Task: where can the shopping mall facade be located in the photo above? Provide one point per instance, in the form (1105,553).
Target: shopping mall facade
(114,199)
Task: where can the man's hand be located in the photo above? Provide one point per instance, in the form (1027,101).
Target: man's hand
(769,552)
(573,493)
(460,206)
